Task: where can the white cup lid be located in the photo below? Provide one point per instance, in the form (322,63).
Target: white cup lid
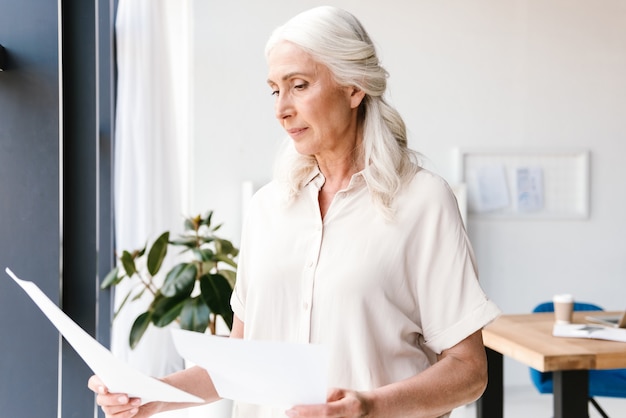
(563,298)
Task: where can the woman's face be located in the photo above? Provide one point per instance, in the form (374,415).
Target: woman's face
(318,114)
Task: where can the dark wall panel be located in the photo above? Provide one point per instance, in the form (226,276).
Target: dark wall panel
(29,205)
(87,64)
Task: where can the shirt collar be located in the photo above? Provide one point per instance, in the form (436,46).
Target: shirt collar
(317,179)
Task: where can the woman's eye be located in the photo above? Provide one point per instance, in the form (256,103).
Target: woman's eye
(301,86)
(275,93)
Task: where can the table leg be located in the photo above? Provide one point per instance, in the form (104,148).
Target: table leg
(571,394)
(491,404)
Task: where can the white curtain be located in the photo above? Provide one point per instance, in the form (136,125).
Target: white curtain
(151,154)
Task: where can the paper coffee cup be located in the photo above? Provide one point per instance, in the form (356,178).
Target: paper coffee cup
(563,308)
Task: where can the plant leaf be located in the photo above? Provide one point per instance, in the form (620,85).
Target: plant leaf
(130,292)
(216,292)
(189,242)
(138,329)
(204,254)
(165,310)
(226,259)
(157,253)
(195,315)
(128,263)
(140,293)
(111,278)
(207,218)
(231,276)
(189,224)
(224,246)
(180,280)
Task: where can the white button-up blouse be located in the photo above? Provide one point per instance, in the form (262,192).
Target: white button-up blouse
(384,296)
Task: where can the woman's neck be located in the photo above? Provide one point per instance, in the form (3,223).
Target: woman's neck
(337,174)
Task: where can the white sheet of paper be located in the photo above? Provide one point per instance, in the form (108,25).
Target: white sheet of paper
(116,375)
(529,187)
(589,331)
(488,188)
(259,372)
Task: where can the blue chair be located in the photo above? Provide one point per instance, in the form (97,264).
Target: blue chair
(610,383)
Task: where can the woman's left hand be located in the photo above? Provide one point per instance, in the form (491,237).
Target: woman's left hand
(340,403)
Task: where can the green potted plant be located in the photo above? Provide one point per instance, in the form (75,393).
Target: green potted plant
(194,292)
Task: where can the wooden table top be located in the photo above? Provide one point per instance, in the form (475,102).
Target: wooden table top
(528,339)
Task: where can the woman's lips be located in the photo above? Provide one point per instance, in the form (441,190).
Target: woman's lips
(293,132)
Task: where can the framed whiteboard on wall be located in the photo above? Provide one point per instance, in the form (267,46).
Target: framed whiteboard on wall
(525,184)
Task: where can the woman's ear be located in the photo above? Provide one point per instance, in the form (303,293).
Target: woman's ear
(356,97)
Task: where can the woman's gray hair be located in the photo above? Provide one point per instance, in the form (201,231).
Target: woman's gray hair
(336,39)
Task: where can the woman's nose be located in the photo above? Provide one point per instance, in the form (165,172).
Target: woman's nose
(283,107)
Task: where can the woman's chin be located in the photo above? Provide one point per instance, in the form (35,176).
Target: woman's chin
(302,149)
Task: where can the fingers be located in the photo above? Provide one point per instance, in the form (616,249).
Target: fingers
(333,408)
(114,405)
(311,411)
(340,403)
(119,406)
(335,394)
(96,385)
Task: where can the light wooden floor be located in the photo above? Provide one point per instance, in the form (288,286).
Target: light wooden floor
(526,402)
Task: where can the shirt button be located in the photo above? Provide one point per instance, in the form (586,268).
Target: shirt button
(310,264)
(305,306)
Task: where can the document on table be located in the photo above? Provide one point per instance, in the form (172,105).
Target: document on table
(259,372)
(589,331)
(116,375)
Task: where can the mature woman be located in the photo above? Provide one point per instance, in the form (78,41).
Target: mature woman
(353,245)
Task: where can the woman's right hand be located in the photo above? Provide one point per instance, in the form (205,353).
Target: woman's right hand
(116,405)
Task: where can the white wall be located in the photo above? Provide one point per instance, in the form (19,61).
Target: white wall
(481,73)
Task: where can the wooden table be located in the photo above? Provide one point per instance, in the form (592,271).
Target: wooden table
(528,339)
